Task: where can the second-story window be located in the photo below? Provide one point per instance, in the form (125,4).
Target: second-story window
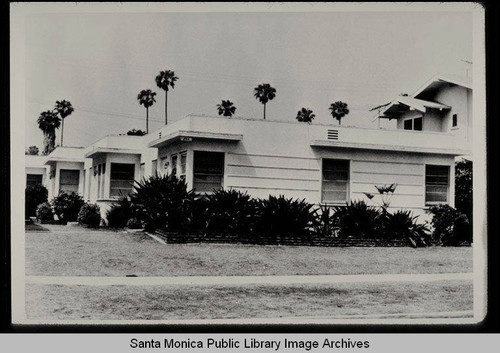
(454,120)
(413,124)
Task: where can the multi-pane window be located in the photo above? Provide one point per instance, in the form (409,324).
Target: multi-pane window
(182,166)
(34,179)
(413,124)
(437,182)
(122,179)
(208,171)
(173,167)
(335,181)
(68,180)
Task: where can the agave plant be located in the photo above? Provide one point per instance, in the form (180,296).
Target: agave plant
(162,202)
(403,225)
(279,216)
(358,220)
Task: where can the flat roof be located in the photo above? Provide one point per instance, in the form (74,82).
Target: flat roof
(103,150)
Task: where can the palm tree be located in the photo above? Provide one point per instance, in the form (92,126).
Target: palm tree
(48,122)
(264,93)
(226,108)
(339,110)
(305,115)
(165,80)
(146,97)
(63,108)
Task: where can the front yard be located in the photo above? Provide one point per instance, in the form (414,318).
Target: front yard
(70,251)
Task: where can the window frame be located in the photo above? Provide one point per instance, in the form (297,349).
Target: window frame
(111,180)
(348,182)
(412,123)
(448,186)
(222,173)
(76,172)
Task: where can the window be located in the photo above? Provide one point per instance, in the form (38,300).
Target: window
(34,179)
(413,124)
(68,180)
(122,179)
(454,120)
(141,171)
(173,167)
(335,182)
(437,182)
(208,171)
(154,167)
(182,168)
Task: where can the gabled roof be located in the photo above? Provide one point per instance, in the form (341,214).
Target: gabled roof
(414,101)
(409,103)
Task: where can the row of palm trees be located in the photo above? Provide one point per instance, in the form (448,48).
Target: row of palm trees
(51,120)
(165,80)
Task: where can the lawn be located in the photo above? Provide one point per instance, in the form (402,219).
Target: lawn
(68,251)
(161,303)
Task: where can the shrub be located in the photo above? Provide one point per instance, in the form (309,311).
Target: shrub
(119,213)
(229,212)
(326,224)
(278,216)
(463,189)
(67,205)
(44,213)
(358,220)
(451,228)
(403,225)
(34,195)
(134,223)
(90,215)
(162,202)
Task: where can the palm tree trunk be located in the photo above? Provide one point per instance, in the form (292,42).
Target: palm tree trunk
(264,111)
(166,95)
(62,132)
(49,140)
(147,120)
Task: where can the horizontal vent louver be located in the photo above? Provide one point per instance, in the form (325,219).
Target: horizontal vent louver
(333,134)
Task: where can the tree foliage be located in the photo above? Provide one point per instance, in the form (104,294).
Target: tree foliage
(338,110)
(264,93)
(226,108)
(305,115)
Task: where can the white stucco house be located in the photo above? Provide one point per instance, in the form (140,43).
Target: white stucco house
(325,164)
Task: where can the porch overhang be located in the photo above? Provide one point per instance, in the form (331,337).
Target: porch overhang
(54,159)
(381,147)
(188,136)
(105,150)
(402,104)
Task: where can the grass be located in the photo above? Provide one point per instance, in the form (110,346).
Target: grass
(84,252)
(35,228)
(161,303)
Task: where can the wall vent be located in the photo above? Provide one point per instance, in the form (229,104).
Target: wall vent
(333,134)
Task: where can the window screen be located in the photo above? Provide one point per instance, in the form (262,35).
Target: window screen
(34,179)
(437,183)
(122,179)
(335,183)
(208,171)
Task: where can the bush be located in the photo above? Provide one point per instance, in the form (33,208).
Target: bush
(402,225)
(278,216)
(44,213)
(134,223)
(162,202)
(90,215)
(451,228)
(326,224)
(67,206)
(358,220)
(34,196)
(463,189)
(120,213)
(229,212)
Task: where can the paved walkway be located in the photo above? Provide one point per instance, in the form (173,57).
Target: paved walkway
(243,280)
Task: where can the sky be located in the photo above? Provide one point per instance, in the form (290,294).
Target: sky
(100,62)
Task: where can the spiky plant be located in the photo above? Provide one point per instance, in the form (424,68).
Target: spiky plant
(264,93)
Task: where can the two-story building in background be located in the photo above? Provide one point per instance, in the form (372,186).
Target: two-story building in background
(324,164)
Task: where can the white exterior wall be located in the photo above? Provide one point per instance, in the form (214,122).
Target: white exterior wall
(54,183)
(276,158)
